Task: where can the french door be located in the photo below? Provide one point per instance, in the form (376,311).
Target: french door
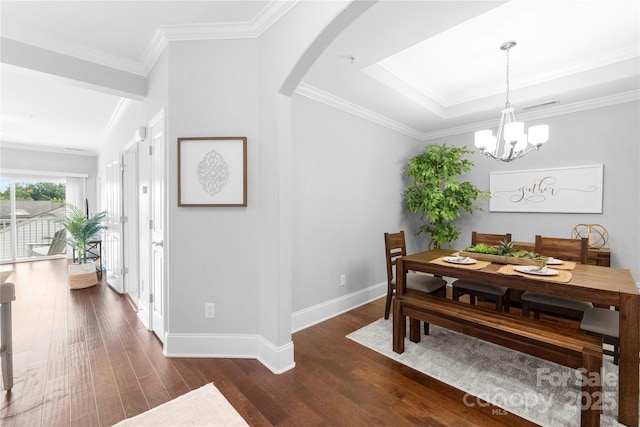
(113,227)
(151,211)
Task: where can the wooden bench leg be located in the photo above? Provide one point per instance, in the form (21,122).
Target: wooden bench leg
(592,399)
(399,327)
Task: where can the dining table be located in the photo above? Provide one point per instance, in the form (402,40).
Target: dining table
(602,286)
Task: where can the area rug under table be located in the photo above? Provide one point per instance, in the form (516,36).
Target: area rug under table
(532,388)
(205,406)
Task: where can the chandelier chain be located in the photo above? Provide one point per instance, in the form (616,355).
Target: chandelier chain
(508,102)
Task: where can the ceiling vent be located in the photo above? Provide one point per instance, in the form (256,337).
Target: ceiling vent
(544,104)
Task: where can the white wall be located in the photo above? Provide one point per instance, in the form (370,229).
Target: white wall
(607,136)
(214,251)
(236,257)
(348,188)
(347,191)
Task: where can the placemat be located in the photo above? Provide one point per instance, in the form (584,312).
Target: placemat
(562,277)
(479,265)
(568,265)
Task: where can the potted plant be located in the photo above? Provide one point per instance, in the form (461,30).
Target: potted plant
(82,229)
(436,194)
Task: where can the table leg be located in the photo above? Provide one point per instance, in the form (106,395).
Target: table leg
(629,377)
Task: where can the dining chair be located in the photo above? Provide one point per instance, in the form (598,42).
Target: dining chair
(395,247)
(481,291)
(566,250)
(606,323)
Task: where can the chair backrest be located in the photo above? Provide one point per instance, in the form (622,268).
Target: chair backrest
(489,239)
(566,249)
(58,243)
(395,247)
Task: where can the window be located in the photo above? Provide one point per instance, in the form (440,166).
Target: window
(29,205)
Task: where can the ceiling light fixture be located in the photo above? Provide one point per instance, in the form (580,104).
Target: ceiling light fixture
(517,143)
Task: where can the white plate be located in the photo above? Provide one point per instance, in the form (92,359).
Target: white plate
(554,261)
(465,260)
(538,271)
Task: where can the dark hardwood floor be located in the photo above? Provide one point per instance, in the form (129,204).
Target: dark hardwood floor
(82,358)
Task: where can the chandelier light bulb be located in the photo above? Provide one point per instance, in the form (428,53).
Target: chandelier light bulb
(513,131)
(539,134)
(482,139)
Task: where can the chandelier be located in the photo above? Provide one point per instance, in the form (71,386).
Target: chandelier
(515,143)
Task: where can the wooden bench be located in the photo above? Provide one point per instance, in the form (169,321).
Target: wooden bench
(560,344)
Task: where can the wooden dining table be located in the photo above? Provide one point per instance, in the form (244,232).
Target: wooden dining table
(600,285)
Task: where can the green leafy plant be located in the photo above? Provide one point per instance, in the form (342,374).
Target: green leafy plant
(436,194)
(527,254)
(82,229)
(505,247)
(482,248)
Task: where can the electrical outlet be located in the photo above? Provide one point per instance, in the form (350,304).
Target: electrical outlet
(209,310)
(343,279)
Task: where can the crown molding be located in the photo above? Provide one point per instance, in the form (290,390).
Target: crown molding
(607,59)
(395,68)
(331,100)
(559,110)
(327,98)
(117,113)
(48,149)
(268,16)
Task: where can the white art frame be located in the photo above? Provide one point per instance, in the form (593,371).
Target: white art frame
(212,171)
(577,189)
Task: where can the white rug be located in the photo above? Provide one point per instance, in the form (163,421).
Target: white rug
(535,389)
(205,406)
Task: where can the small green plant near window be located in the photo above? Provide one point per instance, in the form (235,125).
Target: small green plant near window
(436,194)
(82,229)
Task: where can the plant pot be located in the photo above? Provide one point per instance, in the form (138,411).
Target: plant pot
(79,278)
(88,266)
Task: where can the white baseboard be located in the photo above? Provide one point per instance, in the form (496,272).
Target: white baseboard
(143,315)
(319,313)
(253,346)
(277,359)
(249,346)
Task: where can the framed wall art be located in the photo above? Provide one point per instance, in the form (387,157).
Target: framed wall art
(576,189)
(212,171)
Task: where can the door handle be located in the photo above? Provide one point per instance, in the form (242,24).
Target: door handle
(160,243)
